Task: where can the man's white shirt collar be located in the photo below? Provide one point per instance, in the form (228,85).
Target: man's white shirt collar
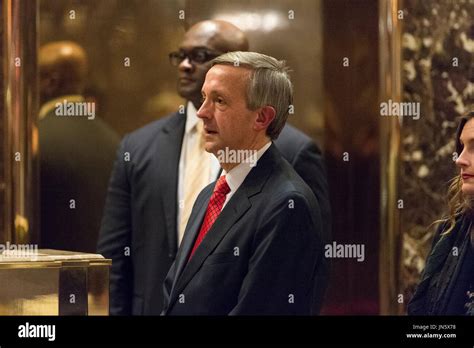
(236,176)
(191,117)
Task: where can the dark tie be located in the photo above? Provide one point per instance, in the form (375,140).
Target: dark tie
(213,210)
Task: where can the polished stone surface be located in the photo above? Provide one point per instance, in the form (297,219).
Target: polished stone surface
(2,120)
(438,73)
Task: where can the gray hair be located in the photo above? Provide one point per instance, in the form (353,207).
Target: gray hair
(269,85)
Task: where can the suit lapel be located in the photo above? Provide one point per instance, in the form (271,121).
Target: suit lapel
(190,234)
(238,205)
(234,209)
(170,150)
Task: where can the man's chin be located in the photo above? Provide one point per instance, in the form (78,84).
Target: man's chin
(187,92)
(212,148)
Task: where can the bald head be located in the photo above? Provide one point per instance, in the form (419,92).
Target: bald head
(63,68)
(210,38)
(220,35)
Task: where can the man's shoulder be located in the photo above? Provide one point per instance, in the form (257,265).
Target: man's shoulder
(291,141)
(289,195)
(285,181)
(290,132)
(291,184)
(145,135)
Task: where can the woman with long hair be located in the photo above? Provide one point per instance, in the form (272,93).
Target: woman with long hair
(447,282)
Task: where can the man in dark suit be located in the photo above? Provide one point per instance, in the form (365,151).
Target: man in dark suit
(77,151)
(254,243)
(148,204)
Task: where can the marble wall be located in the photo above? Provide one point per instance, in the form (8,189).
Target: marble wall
(2,138)
(438,73)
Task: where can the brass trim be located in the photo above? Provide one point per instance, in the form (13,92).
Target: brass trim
(104,262)
(21,109)
(390,88)
(19,265)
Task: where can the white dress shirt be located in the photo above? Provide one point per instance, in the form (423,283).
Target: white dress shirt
(189,141)
(236,176)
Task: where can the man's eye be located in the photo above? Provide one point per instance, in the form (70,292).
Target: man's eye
(200,56)
(220,101)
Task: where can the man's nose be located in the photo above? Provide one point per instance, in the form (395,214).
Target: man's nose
(204,111)
(185,65)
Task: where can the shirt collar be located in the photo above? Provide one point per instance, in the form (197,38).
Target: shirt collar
(191,117)
(236,176)
(50,105)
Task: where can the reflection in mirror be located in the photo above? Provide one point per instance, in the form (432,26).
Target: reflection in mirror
(77,150)
(104,72)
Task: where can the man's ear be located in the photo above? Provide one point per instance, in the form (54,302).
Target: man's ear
(265,116)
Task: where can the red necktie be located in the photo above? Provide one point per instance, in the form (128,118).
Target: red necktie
(213,210)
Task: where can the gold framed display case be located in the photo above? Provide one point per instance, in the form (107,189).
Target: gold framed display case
(53,282)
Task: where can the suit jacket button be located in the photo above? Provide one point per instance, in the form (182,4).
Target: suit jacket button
(171,256)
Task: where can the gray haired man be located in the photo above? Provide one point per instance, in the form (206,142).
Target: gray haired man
(254,243)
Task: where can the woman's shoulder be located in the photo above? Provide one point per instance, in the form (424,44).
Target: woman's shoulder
(447,229)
